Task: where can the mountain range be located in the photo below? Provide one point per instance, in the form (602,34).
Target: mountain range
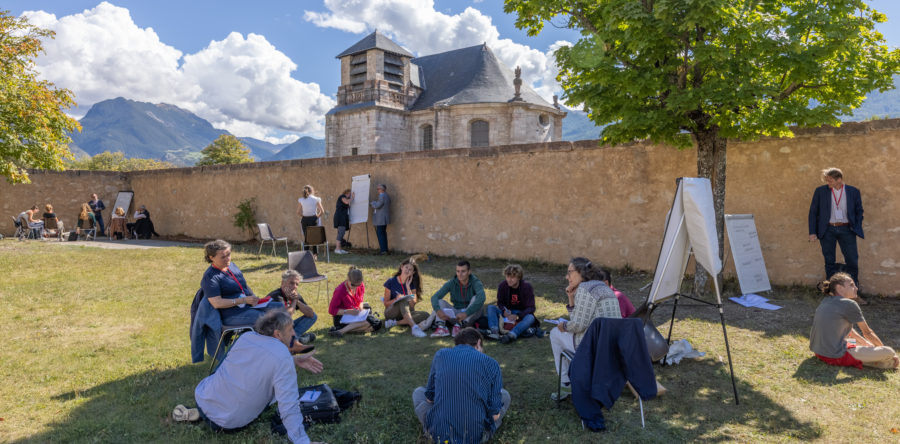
(167,132)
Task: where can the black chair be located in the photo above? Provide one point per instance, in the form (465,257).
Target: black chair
(230,333)
(303,262)
(315,237)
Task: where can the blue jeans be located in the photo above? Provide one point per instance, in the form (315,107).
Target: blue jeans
(303,323)
(846,238)
(248,315)
(100,228)
(381,232)
(494,313)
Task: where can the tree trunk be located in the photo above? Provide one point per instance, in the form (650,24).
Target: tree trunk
(711,164)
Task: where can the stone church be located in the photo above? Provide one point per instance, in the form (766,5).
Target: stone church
(390,101)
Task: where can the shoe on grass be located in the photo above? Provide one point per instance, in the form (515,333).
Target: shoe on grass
(335,333)
(507,338)
(307,338)
(417,332)
(456,330)
(389,324)
(440,332)
(564,394)
(182,413)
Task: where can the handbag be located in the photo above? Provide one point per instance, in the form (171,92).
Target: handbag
(324,409)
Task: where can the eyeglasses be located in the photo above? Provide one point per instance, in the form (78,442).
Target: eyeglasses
(570,271)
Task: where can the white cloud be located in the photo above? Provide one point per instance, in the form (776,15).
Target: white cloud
(240,84)
(416,23)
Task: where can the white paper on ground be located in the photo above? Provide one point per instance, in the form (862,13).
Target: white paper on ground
(310,396)
(754,301)
(349,319)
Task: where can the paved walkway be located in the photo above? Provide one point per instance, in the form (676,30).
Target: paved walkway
(140,244)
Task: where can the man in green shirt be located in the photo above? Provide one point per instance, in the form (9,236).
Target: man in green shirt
(466,301)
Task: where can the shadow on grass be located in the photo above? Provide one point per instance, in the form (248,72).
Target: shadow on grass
(814,371)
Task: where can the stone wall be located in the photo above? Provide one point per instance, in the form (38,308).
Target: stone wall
(545,201)
(66,191)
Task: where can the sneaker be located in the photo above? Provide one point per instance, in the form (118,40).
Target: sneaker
(335,333)
(494,336)
(182,413)
(417,332)
(307,338)
(440,332)
(559,396)
(456,330)
(340,251)
(390,323)
(507,338)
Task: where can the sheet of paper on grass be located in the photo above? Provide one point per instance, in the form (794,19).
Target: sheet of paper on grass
(310,395)
(349,319)
(753,300)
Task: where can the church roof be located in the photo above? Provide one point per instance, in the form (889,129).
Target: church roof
(375,40)
(467,75)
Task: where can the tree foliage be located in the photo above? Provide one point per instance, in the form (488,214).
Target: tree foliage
(107,161)
(33,126)
(226,149)
(700,72)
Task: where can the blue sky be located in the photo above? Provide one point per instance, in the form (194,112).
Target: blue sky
(266,69)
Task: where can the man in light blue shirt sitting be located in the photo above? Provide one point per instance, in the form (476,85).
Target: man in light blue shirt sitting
(257,371)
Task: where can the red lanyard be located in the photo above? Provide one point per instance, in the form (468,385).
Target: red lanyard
(837,200)
(227,270)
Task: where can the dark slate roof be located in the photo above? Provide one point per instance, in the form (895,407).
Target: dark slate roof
(375,40)
(468,75)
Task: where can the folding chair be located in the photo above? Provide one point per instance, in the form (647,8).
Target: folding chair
(315,237)
(230,333)
(54,228)
(265,235)
(20,231)
(303,262)
(27,231)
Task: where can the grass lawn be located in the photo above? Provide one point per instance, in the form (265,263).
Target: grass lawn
(96,349)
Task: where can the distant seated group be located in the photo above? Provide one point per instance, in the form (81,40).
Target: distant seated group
(453,406)
(89,221)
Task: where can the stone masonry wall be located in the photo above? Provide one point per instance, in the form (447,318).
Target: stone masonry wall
(547,201)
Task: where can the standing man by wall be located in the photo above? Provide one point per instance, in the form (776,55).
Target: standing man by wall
(382,217)
(835,217)
(98,207)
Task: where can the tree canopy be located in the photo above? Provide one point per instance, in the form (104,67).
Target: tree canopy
(700,72)
(33,126)
(117,161)
(226,149)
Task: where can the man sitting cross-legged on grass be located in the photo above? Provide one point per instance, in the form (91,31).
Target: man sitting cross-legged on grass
(257,371)
(833,326)
(464,401)
(515,303)
(292,300)
(466,302)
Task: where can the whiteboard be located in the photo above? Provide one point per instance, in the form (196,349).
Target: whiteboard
(359,208)
(690,227)
(123,199)
(748,257)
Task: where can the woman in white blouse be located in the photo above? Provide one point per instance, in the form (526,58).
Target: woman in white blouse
(309,208)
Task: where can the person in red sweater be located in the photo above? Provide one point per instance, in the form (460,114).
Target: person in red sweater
(625,305)
(348,300)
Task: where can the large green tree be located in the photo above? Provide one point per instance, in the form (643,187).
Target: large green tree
(33,126)
(226,149)
(107,161)
(701,72)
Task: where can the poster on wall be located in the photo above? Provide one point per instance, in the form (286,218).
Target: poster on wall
(359,208)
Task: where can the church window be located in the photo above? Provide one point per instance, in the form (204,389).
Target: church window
(427,137)
(544,119)
(480,133)
(354,151)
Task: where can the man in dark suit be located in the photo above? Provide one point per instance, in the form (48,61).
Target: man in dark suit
(835,217)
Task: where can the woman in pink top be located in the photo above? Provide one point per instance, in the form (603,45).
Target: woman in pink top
(625,305)
(348,300)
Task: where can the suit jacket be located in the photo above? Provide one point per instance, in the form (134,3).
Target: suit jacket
(612,352)
(206,327)
(820,210)
(382,208)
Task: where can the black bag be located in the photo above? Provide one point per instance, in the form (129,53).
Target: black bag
(375,322)
(324,409)
(73,236)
